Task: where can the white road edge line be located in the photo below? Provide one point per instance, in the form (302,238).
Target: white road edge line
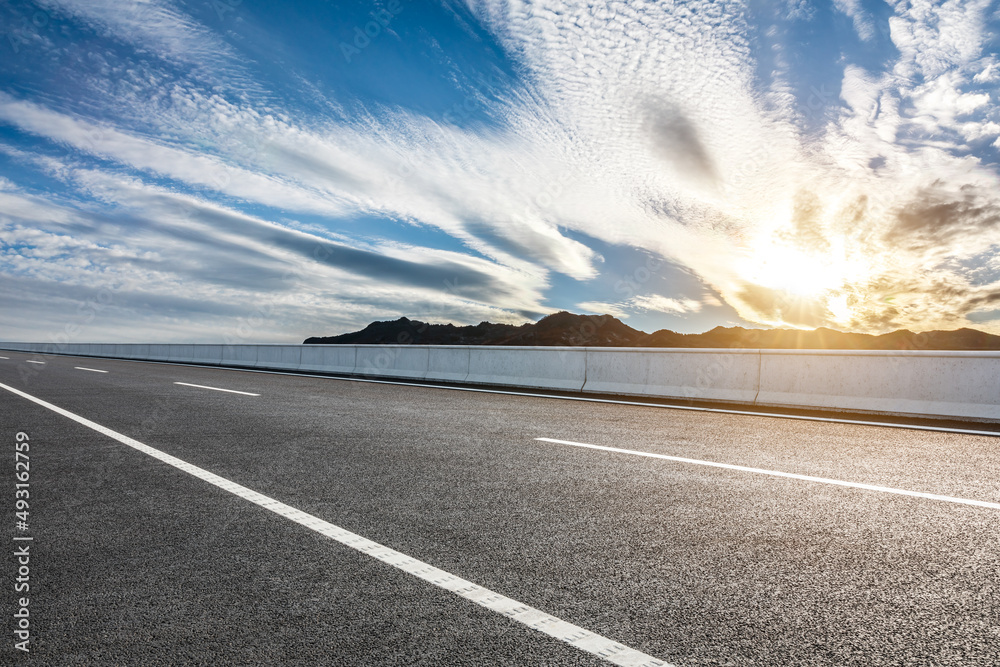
(231,391)
(778,473)
(568,633)
(92,370)
(32,361)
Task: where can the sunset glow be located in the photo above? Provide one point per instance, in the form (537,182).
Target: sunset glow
(790,270)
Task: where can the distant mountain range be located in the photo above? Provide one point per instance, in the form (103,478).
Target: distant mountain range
(606,331)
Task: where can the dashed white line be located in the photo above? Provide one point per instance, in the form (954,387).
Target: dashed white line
(92,370)
(557,628)
(778,473)
(4,357)
(230,391)
(32,361)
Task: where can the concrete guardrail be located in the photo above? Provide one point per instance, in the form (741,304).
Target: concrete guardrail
(397,361)
(730,376)
(532,367)
(279,357)
(927,383)
(938,384)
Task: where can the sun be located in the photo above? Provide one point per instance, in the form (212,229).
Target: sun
(826,277)
(792,270)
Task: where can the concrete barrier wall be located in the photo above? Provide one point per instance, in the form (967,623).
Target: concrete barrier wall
(544,368)
(207,354)
(934,384)
(398,361)
(180,354)
(448,363)
(244,356)
(923,383)
(279,357)
(139,351)
(329,358)
(159,352)
(696,374)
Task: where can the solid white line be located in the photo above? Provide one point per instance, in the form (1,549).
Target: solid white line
(573,635)
(92,370)
(231,391)
(666,406)
(32,361)
(778,473)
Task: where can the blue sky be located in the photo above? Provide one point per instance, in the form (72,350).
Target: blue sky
(263,172)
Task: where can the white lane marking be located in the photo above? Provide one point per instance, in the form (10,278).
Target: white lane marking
(586,399)
(778,473)
(32,361)
(231,391)
(573,635)
(92,370)
(4,357)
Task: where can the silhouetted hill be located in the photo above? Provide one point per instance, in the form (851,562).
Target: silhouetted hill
(558,329)
(826,339)
(606,331)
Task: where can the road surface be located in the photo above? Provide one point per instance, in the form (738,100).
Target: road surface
(242,533)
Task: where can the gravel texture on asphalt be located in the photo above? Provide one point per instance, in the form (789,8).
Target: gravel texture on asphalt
(136,562)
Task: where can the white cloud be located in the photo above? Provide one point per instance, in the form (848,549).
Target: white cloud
(864,24)
(936,37)
(157,27)
(665,304)
(186,166)
(650,302)
(174,253)
(639,124)
(602,308)
(989,74)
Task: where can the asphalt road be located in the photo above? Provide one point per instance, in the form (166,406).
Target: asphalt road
(136,562)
